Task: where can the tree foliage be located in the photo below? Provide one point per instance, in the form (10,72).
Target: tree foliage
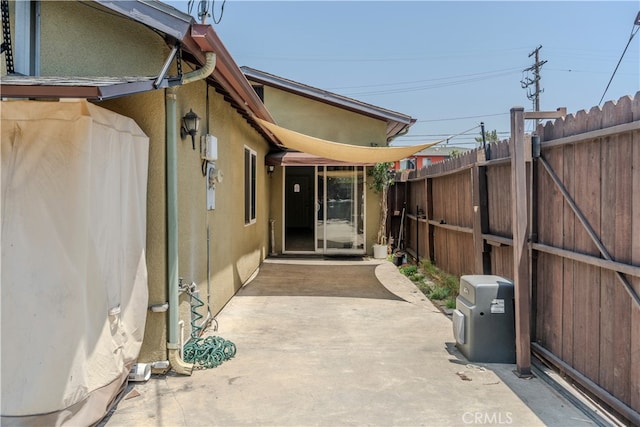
(382,177)
(490,137)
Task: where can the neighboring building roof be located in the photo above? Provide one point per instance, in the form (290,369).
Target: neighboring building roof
(397,123)
(441,150)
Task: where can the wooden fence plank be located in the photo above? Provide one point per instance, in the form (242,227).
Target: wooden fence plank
(587,278)
(499,206)
(550,271)
(634,377)
(587,302)
(482,256)
(607,236)
(504,262)
(622,252)
(429,212)
(568,242)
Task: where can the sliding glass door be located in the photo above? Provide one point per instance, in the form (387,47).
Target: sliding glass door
(340,209)
(332,198)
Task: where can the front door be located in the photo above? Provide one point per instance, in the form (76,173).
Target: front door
(330,197)
(299,214)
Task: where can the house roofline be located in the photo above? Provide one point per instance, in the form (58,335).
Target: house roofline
(397,123)
(196,39)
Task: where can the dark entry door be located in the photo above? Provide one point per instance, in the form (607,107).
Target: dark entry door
(299,204)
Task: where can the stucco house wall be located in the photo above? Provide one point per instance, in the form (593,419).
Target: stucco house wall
(235,249)
(311,117)
(78,40)
(92,41)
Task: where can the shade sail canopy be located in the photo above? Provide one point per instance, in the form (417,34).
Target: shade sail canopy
(342,152)
(296,158)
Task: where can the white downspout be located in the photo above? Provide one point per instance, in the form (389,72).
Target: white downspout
(173,339)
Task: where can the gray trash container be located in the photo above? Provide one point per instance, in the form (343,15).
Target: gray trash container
(484,319)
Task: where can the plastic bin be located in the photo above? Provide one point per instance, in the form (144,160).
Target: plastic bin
(484,319)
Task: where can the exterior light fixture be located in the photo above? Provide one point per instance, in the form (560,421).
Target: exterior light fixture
(190,123)
(270,169)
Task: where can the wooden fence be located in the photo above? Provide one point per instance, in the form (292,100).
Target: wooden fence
(582,244)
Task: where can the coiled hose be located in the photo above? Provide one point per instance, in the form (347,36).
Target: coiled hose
(206,352)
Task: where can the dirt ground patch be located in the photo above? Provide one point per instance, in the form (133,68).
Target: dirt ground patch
(349,281)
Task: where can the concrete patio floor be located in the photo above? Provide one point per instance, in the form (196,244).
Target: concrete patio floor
(325,343)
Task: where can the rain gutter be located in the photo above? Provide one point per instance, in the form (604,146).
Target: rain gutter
(172,120)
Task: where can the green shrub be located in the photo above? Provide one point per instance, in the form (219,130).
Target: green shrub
(451,282)
(416,277)
(439,293)
(451,302)
(424,287)
(429,268)
(408,270)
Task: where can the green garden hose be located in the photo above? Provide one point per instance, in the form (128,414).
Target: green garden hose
(206,352)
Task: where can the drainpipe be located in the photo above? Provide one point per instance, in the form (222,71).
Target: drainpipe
(203,72)
(173,342)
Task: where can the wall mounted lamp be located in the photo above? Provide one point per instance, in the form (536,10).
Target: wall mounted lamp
(270,169)
(190,124)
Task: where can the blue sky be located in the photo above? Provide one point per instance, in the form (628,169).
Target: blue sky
(449,64)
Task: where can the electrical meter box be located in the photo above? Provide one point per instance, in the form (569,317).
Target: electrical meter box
(484,319)
(209,148)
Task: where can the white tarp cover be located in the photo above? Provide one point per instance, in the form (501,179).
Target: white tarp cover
(74,278)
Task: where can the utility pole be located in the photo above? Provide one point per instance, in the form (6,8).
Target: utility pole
(535,80)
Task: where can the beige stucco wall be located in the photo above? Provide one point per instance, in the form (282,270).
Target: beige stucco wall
(324,121)
(235,250)
(80,41)
(327,122)
(147,110)
(94,43)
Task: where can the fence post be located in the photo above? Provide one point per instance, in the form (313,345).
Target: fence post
(429,216)
(479,199)
(520,231)
(417,235)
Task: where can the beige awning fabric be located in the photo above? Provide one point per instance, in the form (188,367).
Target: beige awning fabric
(342,152)
(296,158)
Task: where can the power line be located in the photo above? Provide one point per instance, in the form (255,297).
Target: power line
(434,86)
(439,135)
(634,30)
(425,80)
(462,118)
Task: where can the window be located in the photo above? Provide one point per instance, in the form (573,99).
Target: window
(250,166)
(259,89)
(27,38)
(408,164)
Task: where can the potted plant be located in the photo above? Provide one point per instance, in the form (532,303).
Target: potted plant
(382,177)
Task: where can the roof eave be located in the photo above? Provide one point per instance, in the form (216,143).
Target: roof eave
(99,89)
(396,122)
(196,39)
(154,14)
(229,76)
